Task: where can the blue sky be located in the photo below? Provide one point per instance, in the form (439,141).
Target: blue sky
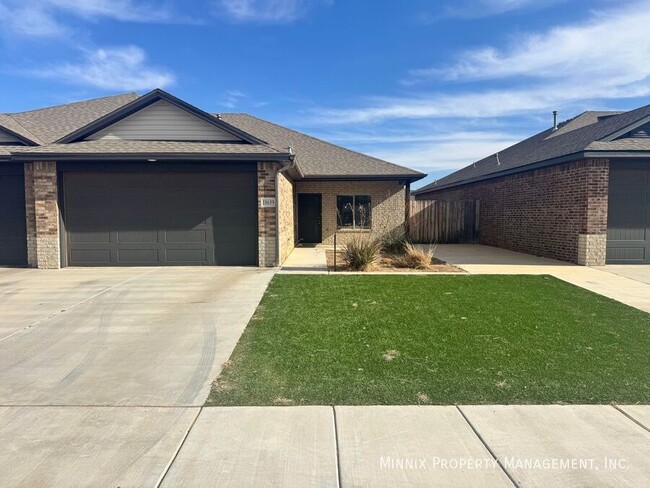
(433,85)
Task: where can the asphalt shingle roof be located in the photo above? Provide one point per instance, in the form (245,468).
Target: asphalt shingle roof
(117,146)
(52,123)
(8,122)
(314,157)
(581,133)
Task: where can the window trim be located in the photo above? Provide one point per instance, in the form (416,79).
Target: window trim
(354,226)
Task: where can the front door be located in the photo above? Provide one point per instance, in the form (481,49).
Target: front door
(309,218)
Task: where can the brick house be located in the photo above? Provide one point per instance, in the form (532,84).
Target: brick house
(578,192)
(133,180)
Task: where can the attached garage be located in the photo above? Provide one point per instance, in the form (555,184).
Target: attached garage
(13,241)
(628,217)
(160,217)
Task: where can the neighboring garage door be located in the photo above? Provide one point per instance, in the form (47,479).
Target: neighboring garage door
(13,239)
(628,219)
(142,219)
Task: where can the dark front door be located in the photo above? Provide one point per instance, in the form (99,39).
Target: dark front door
(165,218)
(628,215)
(309,218)
(13,238)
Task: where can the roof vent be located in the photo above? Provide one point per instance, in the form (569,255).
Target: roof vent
(554,120)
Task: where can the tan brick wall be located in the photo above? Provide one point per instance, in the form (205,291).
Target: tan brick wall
(544,211)
(286,210)
(266,216)
(387,205)
(592,249)
(42,209)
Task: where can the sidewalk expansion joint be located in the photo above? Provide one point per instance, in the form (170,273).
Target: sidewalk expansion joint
(336,447)
(485,444)
(178,449)
(631,418)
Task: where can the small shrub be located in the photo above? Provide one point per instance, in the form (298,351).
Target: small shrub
(393,241)
(417,257)
(361,253)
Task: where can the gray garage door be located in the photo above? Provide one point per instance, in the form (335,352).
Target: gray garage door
(628,220)
(140,219)
(13,241)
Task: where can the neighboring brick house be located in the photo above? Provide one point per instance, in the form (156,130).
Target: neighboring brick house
(133,180)
(578,192)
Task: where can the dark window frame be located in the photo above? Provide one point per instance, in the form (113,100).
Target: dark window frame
(350,219)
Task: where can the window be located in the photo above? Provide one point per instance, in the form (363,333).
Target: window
(353,211)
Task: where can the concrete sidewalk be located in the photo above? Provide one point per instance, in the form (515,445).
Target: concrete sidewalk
(347,446)
(629,285)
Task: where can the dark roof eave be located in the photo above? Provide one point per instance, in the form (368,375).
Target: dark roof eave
(407,177)
(520,169)
(271,157)
(540,164)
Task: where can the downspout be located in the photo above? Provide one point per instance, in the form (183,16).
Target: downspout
(277,205)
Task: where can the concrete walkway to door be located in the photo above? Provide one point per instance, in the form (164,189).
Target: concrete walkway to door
(625,284)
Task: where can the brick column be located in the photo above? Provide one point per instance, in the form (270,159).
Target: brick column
(266,221)
(42,209)
(592,240)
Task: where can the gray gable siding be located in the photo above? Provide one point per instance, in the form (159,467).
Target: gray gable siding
(640,132)
(6,138)
(162,121)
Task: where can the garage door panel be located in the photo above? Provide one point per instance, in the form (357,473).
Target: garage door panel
(628,219)
(137,236)
(162,218)
(190,236)
(95,257)
(13,233)
(138,256)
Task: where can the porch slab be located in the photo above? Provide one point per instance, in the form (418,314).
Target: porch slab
(306,260)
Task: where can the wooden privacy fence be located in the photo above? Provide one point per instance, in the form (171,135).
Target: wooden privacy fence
(439,222)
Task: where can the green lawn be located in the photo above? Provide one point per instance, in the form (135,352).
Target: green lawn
(357,340)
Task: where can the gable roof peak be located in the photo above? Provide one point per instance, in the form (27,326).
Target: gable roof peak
(144,101)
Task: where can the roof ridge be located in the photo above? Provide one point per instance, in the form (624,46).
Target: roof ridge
(322,141)
(61,105)
(32,136)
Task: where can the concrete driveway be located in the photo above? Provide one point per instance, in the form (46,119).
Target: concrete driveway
(77,346)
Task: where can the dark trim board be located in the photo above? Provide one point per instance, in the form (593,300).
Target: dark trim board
(611,155)
(271,157)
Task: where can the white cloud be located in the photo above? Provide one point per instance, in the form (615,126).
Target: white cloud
(267,11)
(430,152)
(603,58)
(118,68)
(232,98)
(43,18)
(485,8)
(124,10)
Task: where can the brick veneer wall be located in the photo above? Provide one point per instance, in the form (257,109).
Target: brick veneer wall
(286,209)
(266,222)
(387,205)
(558,212)
(266,175)
(42,214)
